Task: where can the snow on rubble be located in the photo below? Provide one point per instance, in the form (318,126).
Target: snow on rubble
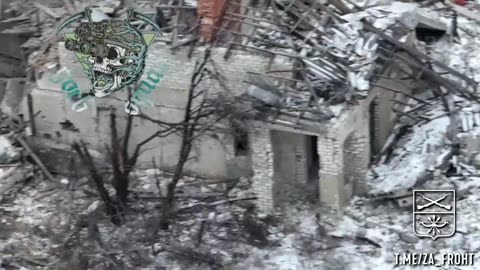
(384,16)
(416,154)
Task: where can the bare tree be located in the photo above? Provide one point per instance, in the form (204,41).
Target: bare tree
(206,114)
(122,161)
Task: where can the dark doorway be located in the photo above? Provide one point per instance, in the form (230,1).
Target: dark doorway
(241,143)
(313,166)
(314,159)
(374,149)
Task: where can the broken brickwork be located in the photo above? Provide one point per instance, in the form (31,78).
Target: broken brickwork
(211,14)
(331,172)
(355,159)
(262,165)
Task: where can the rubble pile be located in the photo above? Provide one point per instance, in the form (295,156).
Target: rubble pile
(339,51)
(18,162)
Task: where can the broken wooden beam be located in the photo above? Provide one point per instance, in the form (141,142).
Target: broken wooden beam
(36,159)
(47,10)
(413,52)
(450,85)
(464,11)
(340,6)
(69,6)
(418,55)
(400,92)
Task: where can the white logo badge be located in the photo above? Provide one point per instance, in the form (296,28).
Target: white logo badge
(434,213)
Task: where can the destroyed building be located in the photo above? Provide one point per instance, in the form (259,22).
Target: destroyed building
(328,90)
(324,100)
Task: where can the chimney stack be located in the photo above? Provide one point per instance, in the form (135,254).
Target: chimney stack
(211,13)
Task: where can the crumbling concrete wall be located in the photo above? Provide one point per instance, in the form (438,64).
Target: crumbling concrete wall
(169,98)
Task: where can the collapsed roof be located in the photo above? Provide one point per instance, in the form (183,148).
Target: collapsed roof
(338,50)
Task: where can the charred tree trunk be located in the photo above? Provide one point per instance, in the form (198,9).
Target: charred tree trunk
(190,122)
(119,155)
(111,208)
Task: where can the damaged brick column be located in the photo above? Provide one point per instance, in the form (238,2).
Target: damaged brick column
(301,169)
(356,160)
(210,12)
(262,165)
(331,183)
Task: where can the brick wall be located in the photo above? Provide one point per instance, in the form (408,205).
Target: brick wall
(210,12)
(169,99)
(301,169)
(331,171)
(336,163)
(356,156)
(262,165)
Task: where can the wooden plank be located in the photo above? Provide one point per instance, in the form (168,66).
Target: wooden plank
(176,19)
(340,6)
(464,11)
(69,6)
(248,17)
(47,10)
(36,159)
(414,52)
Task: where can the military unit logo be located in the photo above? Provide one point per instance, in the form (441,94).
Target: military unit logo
(434,213)
(111,52)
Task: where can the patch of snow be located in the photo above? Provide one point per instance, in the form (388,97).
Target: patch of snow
(8,153)
(410,160)
(387,15)
(191,3)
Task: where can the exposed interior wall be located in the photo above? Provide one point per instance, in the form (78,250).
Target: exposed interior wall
(282,163)
(384,103)
(291,158)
